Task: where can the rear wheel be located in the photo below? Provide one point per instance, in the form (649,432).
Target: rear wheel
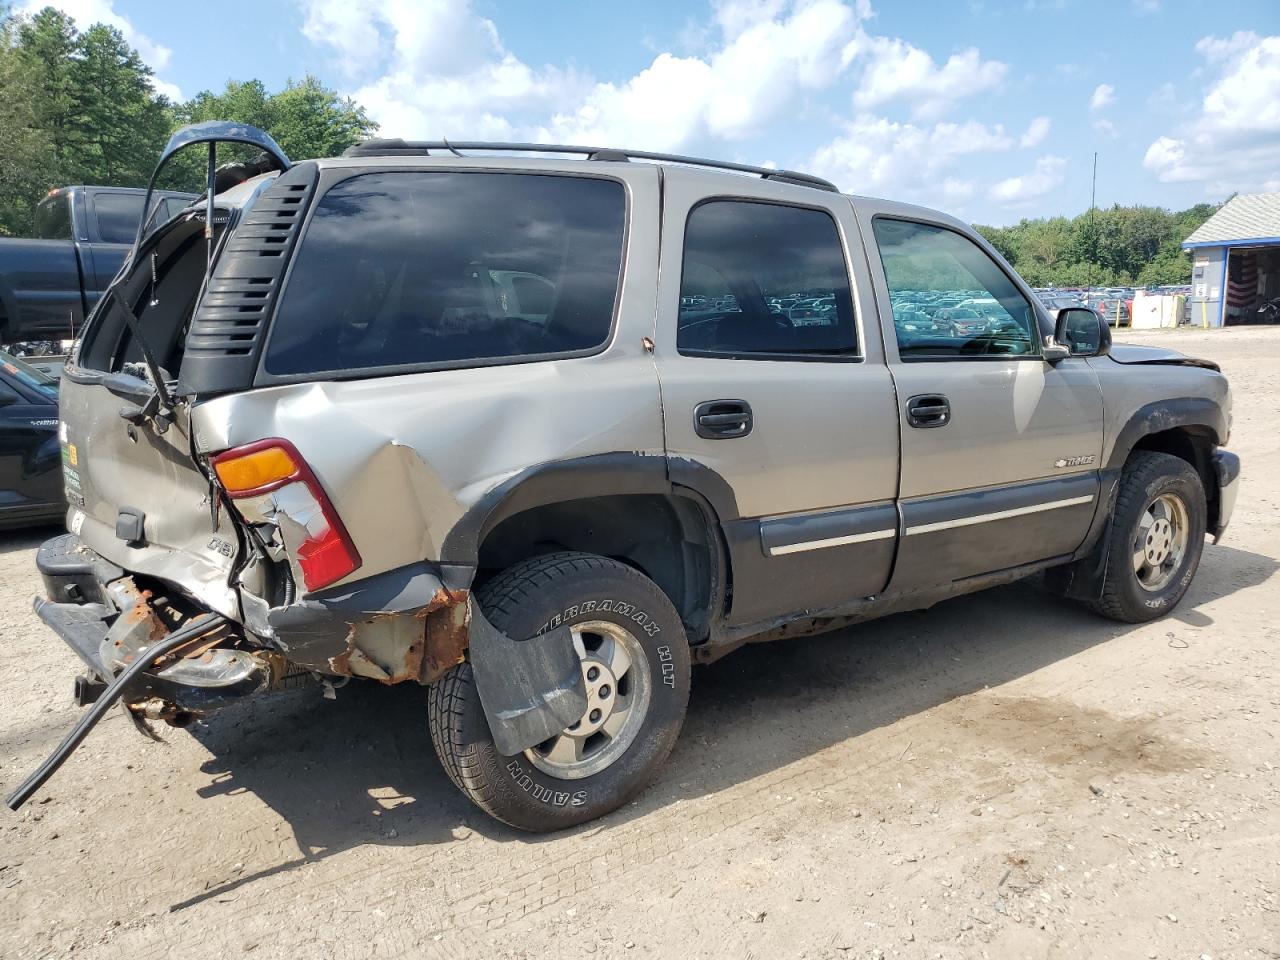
(1156,538)
(635,667)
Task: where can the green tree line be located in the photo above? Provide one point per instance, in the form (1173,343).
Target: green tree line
(1119,246)
(80,107)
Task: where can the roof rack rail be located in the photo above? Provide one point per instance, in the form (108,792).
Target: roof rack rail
(420,148)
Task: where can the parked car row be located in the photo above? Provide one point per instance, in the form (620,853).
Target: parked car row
(1114,304)
(953,313)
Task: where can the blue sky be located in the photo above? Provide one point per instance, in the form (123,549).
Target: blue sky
(987,109)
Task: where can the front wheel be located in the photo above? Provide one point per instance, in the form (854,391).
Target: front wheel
(1156,538)
(635,667)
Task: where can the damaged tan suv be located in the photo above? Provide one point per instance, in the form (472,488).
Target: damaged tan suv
(539,433)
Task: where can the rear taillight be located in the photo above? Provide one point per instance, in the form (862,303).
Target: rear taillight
(326,554)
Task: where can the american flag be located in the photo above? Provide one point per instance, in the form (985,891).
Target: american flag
(1242,279)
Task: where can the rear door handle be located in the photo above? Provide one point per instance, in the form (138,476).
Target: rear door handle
(928,410)
(722,419)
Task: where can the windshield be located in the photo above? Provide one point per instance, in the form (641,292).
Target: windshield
(25,373)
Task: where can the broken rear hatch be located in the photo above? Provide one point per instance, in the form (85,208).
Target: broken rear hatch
(137,494)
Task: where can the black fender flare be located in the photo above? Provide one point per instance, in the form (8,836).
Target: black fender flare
(1082,578)
(1199,412)
(602,474)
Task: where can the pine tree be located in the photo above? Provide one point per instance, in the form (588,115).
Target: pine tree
(121,122)
(26,150)
(46,46)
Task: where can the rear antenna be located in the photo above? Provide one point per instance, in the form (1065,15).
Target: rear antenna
(448,146)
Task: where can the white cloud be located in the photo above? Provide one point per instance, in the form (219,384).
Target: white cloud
(1146,6)
(1218,49)
(1105,127)
(904,160)
(1233,143)
(167,89)
(86,13)
(759,73)
(1014,191)
(956,191)
(1036,132)
(427,69)
(1103,96)
(897,70)
(432,68)
(439,68)
(737,16)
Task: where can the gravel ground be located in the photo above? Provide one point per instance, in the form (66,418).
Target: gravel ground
(1005,775)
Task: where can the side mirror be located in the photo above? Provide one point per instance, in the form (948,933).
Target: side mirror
(1082,333)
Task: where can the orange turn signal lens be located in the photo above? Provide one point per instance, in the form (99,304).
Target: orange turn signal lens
(251,471)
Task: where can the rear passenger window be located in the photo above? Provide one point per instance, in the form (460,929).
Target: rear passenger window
(421,268)
(117,215)
(53,218)
(949,298)
(764,281)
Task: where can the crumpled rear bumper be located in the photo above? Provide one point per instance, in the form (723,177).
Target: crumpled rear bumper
(410,624)
(100,612)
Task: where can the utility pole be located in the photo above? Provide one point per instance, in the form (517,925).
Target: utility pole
(1093,234)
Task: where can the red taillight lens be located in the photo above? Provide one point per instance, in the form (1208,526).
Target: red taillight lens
(327,554)
(326,558)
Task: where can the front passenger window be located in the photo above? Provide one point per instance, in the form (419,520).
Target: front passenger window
(950,299)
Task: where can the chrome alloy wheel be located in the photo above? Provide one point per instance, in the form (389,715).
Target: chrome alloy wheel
(615,671)
(1161,542)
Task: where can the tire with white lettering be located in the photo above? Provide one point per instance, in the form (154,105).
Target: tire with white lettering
(1156,538)
(635,661)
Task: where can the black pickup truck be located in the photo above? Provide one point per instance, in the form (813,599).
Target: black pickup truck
(49,283)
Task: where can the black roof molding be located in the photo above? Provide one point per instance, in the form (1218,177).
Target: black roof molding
(423,148)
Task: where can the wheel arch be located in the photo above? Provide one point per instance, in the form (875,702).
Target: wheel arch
(625,506)
(1188,428)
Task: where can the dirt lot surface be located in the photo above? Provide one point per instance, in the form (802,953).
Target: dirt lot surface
(1005,775)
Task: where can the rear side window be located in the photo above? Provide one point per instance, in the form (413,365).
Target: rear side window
(418,268)
(764,281)
(53,218)
(117,216)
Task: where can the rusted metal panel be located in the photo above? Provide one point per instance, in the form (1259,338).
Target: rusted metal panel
(420,646)
(448,624)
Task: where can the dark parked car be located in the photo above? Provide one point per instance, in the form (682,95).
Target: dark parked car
(48,284)
(30,464)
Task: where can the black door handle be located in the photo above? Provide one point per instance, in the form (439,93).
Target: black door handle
(722,419)
(928,410)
